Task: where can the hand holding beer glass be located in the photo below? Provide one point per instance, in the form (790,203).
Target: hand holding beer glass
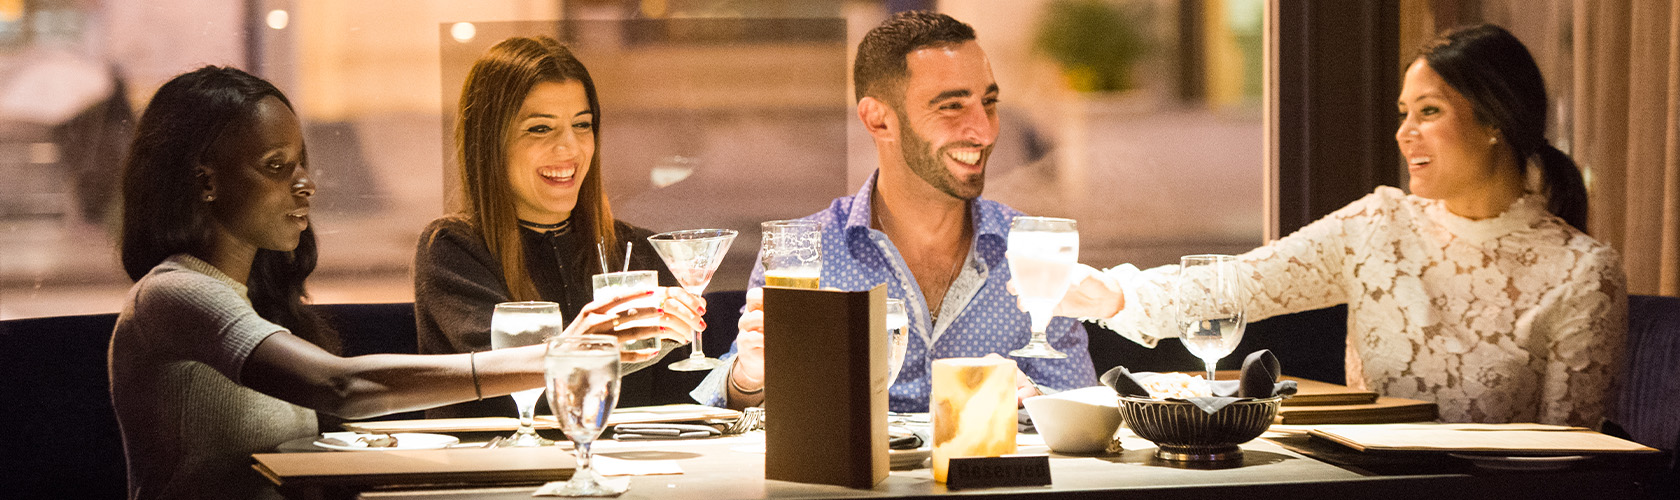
(792,253)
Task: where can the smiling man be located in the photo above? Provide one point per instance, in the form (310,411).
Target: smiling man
(926,95)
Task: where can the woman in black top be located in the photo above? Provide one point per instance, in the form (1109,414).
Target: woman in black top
(536,223)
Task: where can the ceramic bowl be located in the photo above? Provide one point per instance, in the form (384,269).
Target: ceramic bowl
(1077,421)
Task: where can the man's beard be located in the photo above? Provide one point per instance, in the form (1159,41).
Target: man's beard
(925,162)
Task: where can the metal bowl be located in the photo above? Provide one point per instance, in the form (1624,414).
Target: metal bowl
(1183,432)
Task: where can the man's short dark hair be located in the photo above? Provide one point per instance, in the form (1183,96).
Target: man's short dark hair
(882,64)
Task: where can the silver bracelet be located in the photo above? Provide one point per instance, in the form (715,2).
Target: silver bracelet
(478,392)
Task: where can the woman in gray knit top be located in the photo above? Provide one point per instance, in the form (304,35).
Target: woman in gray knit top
(215,356)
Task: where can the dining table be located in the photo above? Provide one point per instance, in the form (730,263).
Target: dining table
(1284,463)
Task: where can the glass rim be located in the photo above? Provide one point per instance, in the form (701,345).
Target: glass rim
(1041,218)
(588,337)
(694,234)
(527,304)
(1209,257)
(790,223)
(632,271)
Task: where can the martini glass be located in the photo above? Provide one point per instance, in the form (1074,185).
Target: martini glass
(693,256)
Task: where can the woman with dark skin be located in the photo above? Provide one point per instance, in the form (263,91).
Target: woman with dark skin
(215,355)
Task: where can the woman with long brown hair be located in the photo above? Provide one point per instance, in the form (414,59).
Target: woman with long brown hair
(535,224)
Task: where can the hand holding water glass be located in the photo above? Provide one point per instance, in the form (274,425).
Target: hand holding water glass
(518,324)
(583,380)
(1210,301)
(1042,253)
(610,285)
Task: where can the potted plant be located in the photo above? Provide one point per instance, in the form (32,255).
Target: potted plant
(1095,42)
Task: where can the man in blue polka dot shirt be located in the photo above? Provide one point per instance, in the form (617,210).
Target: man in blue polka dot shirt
(926,95)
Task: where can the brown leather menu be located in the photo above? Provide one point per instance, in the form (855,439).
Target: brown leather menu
(825,396)
(1384,410)
(1313,392)
(354,469)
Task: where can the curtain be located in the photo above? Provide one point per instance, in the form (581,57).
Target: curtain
(1626,133)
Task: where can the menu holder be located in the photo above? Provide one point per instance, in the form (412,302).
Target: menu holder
(1510,439)
(356,470)
(825,354)
(629,415)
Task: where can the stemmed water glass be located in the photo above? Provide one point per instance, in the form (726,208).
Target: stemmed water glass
(1042,252)
(583,373)
(693,256)
(1210,303)
(518,324)
(898,338)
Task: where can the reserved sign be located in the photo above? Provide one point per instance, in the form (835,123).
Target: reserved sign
(990,472)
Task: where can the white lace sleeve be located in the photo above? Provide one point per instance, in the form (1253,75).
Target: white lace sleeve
(1299,272)
(1585,331)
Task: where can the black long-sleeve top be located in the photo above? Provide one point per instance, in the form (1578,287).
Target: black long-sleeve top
(458,282)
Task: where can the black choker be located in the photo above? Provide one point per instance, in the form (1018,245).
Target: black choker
(545,227)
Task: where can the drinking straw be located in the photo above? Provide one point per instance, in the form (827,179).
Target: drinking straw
(627,246)
(601,250)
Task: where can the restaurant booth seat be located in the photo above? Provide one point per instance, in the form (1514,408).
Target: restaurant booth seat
(61,435)
(1648,407)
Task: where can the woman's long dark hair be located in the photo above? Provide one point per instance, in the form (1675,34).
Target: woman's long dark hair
(163,213)
(1493,69)
(494,91)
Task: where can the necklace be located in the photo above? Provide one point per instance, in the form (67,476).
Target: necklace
(543,228)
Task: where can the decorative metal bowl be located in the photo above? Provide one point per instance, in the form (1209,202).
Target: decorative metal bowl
(1183,432)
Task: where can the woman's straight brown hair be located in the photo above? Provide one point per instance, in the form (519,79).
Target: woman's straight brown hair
(494,91)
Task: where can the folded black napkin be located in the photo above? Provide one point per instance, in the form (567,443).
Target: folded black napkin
(1260,373)
(900,438)
(648,432)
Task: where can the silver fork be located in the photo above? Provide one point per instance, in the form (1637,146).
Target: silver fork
(494,442)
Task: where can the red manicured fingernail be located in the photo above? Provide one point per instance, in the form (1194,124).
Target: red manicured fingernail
(702,309)
(661,310)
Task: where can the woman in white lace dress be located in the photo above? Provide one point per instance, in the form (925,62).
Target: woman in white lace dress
(1477,291)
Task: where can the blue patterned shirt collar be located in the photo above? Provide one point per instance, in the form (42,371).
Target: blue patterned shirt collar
(991,221)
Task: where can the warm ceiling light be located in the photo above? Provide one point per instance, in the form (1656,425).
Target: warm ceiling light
(278,19)
(463,32)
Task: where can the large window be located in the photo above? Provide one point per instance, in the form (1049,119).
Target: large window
(717,114)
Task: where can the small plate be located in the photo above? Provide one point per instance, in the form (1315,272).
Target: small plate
(1521,463)
(405,441)
(908,459)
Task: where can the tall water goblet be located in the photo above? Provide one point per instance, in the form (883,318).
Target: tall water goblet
(898,338)
(1210,301)
(518,324)
(792,253)
(693,256)
(1042,252)
(583,374)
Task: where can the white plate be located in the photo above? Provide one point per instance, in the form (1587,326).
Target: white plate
(1522,463)
(908,459)
(405,441)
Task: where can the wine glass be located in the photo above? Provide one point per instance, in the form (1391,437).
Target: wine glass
(1210,299)
(792,253)
(518,324)
(1042,252)
(582,373)
(693,256)
(898,338)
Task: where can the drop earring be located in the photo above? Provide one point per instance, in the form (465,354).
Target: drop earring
(209,197)
(1493,140)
